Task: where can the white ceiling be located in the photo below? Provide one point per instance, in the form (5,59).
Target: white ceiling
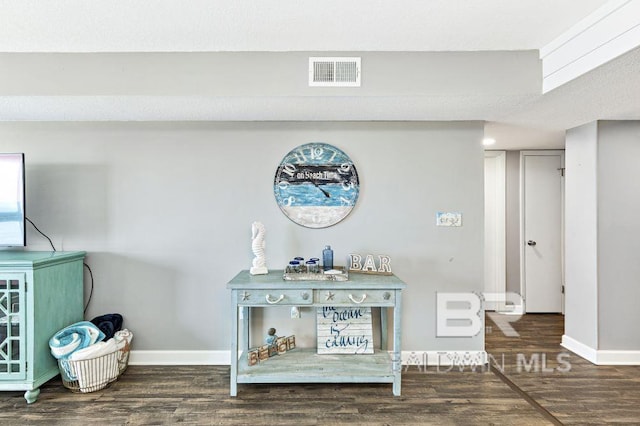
(612,91)
(285,25)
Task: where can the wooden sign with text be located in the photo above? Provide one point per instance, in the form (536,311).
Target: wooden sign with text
(264,352)
(344,330)
(367,264)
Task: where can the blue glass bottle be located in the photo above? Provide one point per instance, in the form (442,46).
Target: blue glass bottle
(327,258)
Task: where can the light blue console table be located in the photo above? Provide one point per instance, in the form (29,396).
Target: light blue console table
(305,365)
(40,293)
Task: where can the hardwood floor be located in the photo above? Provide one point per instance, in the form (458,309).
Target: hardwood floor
(586,394)
(515,390)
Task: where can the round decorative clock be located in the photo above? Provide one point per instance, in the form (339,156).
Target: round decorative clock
(316,185)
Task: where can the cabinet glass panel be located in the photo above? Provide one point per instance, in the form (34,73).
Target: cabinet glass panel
(11,323)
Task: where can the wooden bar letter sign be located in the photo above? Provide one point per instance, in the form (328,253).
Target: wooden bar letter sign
(367,264)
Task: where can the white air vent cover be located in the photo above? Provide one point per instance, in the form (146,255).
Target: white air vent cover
(334,72)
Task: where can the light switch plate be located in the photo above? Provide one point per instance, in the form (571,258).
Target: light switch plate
(448,219)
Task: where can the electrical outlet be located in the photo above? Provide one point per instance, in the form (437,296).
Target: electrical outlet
(295,312)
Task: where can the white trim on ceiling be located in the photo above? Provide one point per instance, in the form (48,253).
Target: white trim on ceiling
(606,34)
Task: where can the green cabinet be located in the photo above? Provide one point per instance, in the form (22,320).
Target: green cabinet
(40,293)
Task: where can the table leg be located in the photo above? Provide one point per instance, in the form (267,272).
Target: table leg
(246,320)
(397,350)
(234,344)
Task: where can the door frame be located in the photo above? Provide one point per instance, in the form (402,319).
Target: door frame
(523,283)
(500,223)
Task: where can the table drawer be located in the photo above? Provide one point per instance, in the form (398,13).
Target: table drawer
(275,297)
(355,297)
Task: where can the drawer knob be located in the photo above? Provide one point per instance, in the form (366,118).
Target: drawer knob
(357,302)
(305,296)
(274,301)
(386,295)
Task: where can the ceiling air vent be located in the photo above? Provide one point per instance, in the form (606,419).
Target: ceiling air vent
(334,72)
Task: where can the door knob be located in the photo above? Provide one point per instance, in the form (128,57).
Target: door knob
(531,243)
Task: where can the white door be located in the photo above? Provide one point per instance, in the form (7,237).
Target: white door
(495,274)
(541,238)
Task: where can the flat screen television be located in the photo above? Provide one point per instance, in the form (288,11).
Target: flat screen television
(12,189)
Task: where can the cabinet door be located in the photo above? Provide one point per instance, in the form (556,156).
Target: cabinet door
(12,326)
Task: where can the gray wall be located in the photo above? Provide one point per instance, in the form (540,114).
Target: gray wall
(512,217)
(618,234)
(164,210)
(260,74)
(581,235)
(602,210)
(262,86)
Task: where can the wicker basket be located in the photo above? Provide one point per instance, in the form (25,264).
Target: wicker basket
(90,375)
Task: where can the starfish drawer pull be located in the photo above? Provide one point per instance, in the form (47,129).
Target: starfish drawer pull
(330,295)
(245,295)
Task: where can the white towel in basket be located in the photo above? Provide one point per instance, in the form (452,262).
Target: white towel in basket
(99,364)
(95,350)
(123,337)
(96,365)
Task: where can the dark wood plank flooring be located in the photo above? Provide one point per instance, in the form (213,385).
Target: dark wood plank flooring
(501,394)
(586,394)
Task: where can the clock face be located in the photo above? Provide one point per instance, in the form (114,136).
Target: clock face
(316,185)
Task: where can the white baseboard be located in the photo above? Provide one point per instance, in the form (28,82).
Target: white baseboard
(517,310)
(608,357)
(601,357)
(421,358)
(180,358)
(578,348)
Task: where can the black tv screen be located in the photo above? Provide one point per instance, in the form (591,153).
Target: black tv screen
(12,188)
